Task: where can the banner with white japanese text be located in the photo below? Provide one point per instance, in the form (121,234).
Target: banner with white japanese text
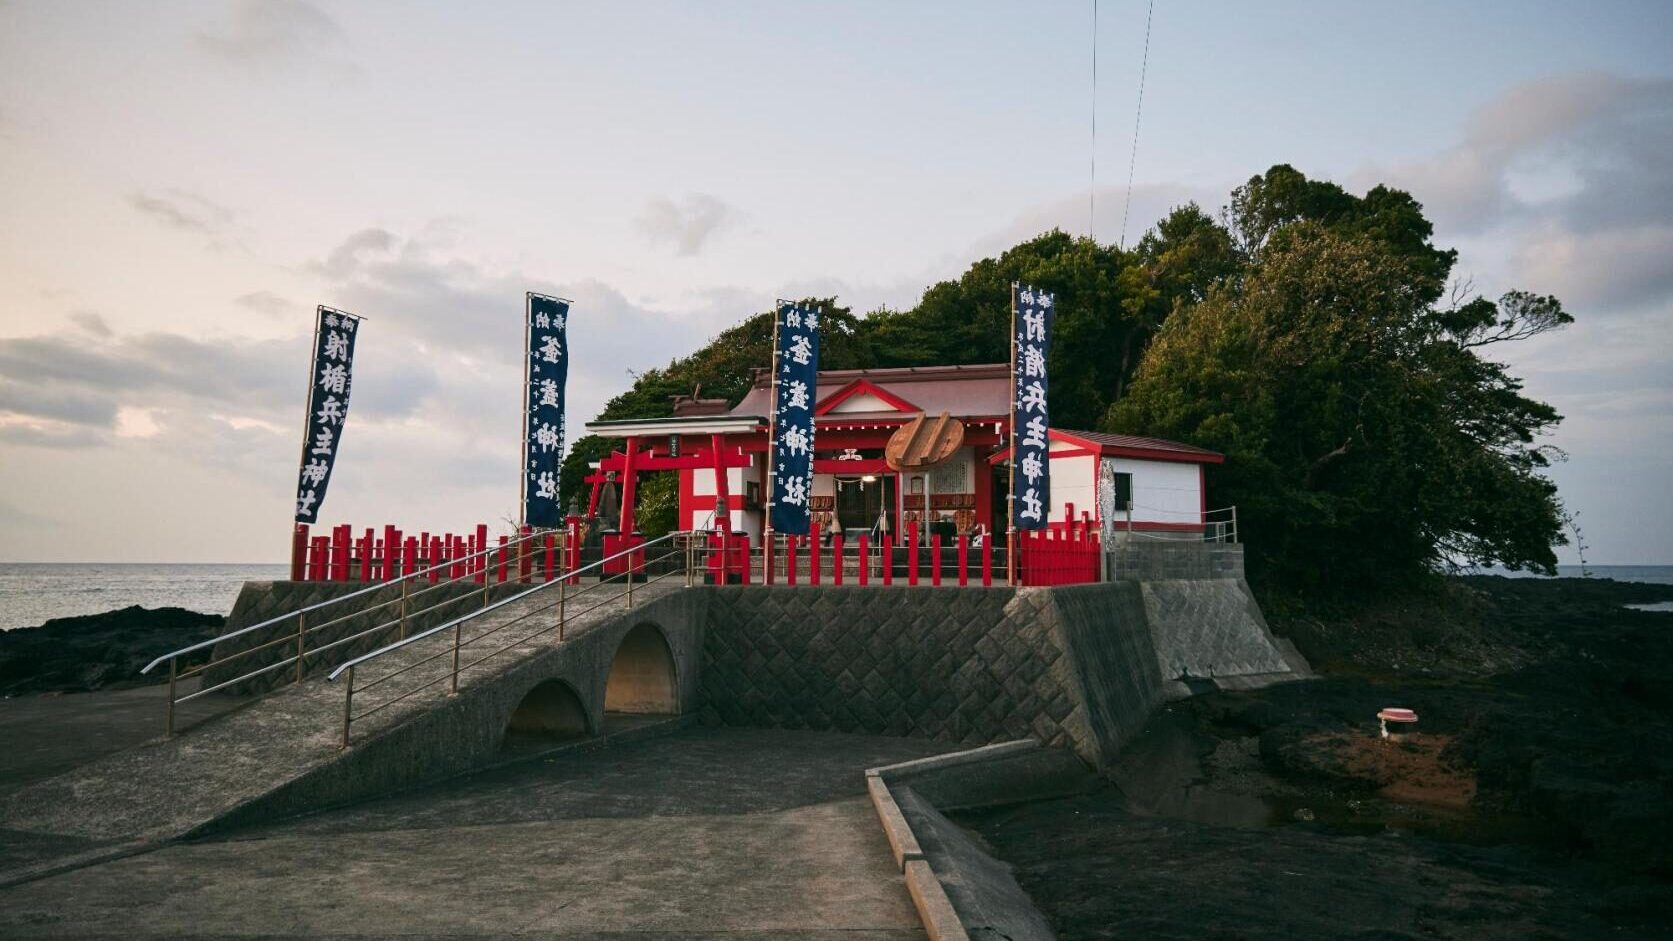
(796,386)
(328,407)
(543,432)
(1030,445)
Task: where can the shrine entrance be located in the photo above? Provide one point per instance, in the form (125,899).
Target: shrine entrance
(865,504)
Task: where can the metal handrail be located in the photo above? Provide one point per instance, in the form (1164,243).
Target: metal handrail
(371,655)
(376,586)
(477,567)
(349,688)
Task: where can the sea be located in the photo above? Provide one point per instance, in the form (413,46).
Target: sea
(31,593)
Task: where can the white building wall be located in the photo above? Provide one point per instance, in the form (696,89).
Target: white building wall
(1163,491)
(703,485)
(1074,480)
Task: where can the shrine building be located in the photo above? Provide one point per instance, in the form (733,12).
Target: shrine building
(1151,485)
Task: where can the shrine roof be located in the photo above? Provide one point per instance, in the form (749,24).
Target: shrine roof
(970,391)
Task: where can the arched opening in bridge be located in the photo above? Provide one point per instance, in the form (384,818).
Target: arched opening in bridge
(550,713)
(642,679)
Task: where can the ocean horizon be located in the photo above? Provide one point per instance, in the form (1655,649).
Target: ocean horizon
(32,593)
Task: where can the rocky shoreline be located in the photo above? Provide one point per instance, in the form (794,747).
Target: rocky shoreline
(97,651)
(1537,800)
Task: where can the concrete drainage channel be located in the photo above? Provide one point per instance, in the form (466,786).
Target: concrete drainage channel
(960,891)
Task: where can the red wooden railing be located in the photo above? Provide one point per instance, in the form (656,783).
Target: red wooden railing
(1065,553)
(370,557)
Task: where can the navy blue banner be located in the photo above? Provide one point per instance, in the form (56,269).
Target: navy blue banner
(543,424)
(1031,318)
(796,361)
(328,407)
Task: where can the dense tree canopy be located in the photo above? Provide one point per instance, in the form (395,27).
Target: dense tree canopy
(1308,333)
(1366,437)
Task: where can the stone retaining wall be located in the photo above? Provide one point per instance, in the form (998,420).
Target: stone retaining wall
(1149,559)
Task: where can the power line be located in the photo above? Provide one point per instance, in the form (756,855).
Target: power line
(1133,159)
(1092,184)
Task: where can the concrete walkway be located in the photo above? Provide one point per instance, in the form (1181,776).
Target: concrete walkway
(165,788)
(704,833)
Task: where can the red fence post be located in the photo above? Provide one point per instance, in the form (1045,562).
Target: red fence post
(741,554)
(964,560)
(912,553)
(299,552)
(987,560)
(481,541)
(505,557)
(836,559)
(409,556)
(551,556)
(789,560)
(391,542)
(865,558)
(317,552)
(366,555)
(340,536)
(935,559)
(888,554)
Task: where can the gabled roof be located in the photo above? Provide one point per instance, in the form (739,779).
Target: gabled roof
(978,391)
(1136,447)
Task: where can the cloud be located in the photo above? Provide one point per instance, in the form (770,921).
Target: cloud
(54,384)
(1575,172)
(91,322)
(189,212)
(264,302)
(687,225)
(274,32)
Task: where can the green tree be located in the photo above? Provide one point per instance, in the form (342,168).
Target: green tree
(1367,438)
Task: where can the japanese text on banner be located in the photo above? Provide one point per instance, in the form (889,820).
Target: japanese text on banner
(328,407)
(797,364)
(1030,445)
(548,372)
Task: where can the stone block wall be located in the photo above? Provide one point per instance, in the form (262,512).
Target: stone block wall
(1145,560)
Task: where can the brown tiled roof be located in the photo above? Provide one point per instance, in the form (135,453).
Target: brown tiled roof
(982,390)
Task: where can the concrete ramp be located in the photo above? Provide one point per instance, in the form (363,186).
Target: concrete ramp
(282,754)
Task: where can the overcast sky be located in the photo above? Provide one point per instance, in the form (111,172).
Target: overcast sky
(181,183)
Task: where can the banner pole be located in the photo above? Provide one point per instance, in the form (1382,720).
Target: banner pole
(307,413)
(1011,488)
(523,443)
(772,436)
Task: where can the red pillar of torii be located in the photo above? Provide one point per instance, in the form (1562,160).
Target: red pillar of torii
(636,458)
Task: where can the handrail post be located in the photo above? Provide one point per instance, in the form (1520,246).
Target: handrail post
(301,639)
(456,629)
(690,559)
(630,577)
(172,673)
(403,608)
(563,583)
(348,704)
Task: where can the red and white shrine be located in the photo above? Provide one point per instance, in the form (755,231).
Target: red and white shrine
(1148,484)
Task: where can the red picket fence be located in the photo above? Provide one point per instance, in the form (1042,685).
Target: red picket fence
(375,556)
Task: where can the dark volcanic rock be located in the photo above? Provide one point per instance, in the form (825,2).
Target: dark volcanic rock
(97,651)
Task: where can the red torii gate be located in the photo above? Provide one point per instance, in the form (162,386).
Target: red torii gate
(633,460)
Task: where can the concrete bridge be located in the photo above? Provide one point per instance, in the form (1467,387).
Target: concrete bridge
(1076,667)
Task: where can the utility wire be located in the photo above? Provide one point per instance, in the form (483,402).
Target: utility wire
(1133,159)
(1092,185)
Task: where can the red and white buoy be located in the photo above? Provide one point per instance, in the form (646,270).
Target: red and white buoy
(1405,720)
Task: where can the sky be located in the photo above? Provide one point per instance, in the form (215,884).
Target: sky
(181,183)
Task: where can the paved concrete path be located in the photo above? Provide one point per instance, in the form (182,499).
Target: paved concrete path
(165,788)
(45,734)
(704,833)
